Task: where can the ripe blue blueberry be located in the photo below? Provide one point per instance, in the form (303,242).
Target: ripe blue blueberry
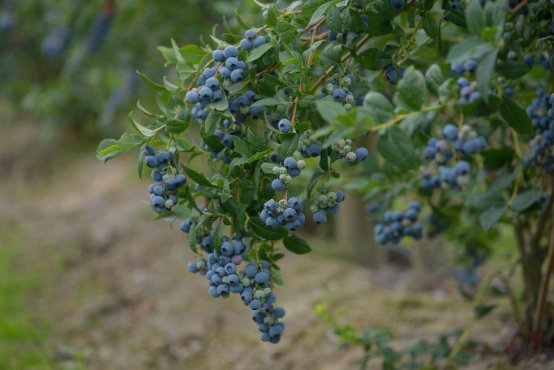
(320,218)
(284,125)
(361,153)
(230,51)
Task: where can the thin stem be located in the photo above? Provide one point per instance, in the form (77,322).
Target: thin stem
(344,59)
(400,117)
(477,301)
(541,305)
(518,7)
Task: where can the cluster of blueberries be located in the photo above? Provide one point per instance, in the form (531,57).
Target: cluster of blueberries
(540,60)
(253,284)
(241,107)
(466,142)
(348,154)
(252,40)
(326,202)
(163,193)
(468,93)
(337,88)
(307,146)
(397,225)
(541,112)
(230,68)
(291,168)
(286,213)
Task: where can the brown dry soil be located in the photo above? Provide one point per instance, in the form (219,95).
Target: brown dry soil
(119,293)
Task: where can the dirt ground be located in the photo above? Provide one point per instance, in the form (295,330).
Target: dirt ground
(119,291)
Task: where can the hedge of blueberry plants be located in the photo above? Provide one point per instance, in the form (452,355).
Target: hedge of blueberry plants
(458,96)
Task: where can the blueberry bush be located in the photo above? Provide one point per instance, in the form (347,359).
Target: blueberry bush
(254,127)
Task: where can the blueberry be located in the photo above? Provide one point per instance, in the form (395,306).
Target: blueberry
(450,132)
(278,185)
(212,83)
(258,41)
(232,63)
(227,140)
(397,4)
(151,161)
(186,225)
(225,72)
(230,51)
(250,270)
(314,150)
(290,163)
(361,153)
(223,289)
(237,75)
(250,34)
(290,214)
(262,277)
(470,65)
(462,168)
(218,55)
(255,304)
(320,218)
(340,196)
(284,125)
(206,93)
(191,266)
(339,95)
(227,249)
(274,157)
(192,97)
(246,44)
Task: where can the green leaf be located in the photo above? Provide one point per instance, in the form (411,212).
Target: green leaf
(332,55)
(296,245)
(512,70)
(266,102)
(475,17)
(484,74)
(259,155)
(107,149)
(411,89)
(140,128)
(525,199)
(431,26)
(472,48)
(515,117)
(313,182)
(265,232)
(192,54)
(128,142)
(491,216)
(156,86)
(329,110)
(374,59)
(197,177)
(434,79)
(258,52)
(378,25)
(396,147)
(320,11)
(289,145)
(241,147)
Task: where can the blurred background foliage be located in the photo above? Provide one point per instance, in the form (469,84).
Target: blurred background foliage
(73,63)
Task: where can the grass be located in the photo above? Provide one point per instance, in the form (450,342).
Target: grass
(24,335)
